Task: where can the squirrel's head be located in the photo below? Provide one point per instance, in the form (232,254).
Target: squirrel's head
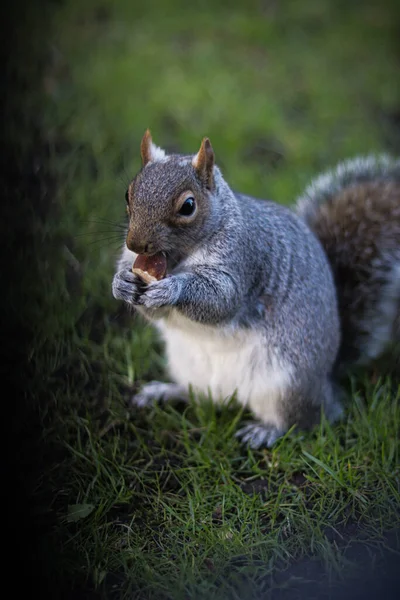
(169,202)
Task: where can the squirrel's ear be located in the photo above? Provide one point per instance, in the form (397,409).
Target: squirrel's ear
(149,151)
(203,162)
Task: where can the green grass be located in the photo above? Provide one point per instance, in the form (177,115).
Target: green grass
(165,503)
(184,512)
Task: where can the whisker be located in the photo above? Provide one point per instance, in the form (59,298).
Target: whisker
(124,182)
(97,232)
(110,247)
(101,222)
(129,177)
(106,239)
(112,235)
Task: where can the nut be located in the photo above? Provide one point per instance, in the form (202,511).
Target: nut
(150,268)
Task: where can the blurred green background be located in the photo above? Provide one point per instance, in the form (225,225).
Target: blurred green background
(283,89)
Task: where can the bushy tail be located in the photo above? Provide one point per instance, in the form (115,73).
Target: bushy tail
(354,210)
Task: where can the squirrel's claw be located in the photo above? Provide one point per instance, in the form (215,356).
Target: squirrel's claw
(128,287)
(258,435)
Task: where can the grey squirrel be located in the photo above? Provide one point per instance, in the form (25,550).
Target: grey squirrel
(262,301)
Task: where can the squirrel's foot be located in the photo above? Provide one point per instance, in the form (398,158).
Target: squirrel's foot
(157,391)
(259,435)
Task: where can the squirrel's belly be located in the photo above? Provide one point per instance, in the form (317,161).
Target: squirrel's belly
(223,363)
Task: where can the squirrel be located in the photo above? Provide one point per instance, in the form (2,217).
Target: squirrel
(265,302)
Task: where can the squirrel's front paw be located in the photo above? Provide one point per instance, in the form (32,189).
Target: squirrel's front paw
(165,292)
(128,287)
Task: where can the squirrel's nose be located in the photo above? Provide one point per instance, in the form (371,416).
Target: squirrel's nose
(137,246)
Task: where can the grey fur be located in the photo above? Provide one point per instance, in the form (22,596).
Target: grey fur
(256,435)
(350,172)
(157,391)
(365,263)
(247,265)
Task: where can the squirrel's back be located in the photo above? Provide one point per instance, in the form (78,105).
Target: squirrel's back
(354,210)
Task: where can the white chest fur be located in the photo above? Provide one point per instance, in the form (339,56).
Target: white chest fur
(222,361)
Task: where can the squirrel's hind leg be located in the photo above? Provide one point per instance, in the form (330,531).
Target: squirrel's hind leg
(158,391)
(300,407)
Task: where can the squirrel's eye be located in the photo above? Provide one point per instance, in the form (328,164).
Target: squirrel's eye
(127,196)
(188,207)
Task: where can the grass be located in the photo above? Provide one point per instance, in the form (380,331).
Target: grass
(164,503)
